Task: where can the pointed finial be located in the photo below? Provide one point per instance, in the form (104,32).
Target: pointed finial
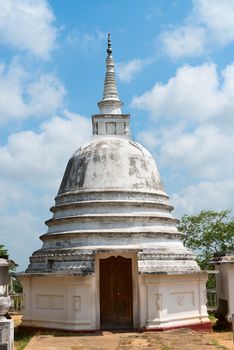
(110,103)
(109,48)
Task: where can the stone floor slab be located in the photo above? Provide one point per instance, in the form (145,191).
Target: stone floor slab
(173,340)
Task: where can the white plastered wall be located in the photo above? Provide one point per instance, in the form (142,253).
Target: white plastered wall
(63,302)
(172,300)
(225,287)
(231,289)
(73,302)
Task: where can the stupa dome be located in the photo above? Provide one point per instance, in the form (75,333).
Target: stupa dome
(111,197)
(111,163)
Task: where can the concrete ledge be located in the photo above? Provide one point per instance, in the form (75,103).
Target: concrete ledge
(46,330)
(198,327)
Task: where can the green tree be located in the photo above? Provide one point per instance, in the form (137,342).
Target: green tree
(208,234)
(3,252)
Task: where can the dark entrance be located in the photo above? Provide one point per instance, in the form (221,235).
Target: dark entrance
(116,293)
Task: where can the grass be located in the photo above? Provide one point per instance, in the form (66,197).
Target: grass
(23,335)
(212,317)
(21,343)
(215,342)
(22,338)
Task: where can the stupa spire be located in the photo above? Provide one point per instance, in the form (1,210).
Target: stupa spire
(110,103)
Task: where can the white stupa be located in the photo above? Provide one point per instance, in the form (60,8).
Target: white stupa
(112,257)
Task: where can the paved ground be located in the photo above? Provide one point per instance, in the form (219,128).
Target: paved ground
(183,339)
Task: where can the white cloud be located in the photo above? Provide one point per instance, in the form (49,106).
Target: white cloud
(204,153)
(210,23)
(10,194)
(206,195)
(32,165)
(202,156)
(39,159)
(20,235)
(28,25)
(195,93)
(184,41)
(196,141)
(127,71)
(46,95)
(217,16)
(23,94)
(149,138)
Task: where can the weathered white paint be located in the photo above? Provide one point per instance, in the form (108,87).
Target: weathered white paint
(127,164)
(72,302)
(6,325)
(63,302)
(112,202)
(225,285)
(173,300)
(110,103)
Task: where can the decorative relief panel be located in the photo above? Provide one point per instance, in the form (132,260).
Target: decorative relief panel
(95,128)
(51,302)
(126,128)
(158,304)
(181,301)
(120,128)
(101,128)
(5,335)
(110,128)
(77,303)
(157,198)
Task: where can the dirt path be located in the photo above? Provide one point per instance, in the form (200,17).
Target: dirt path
(183,339)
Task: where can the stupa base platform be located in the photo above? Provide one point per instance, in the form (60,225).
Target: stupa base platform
(197,327)
(156,302)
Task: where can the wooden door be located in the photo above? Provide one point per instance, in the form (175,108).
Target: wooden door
(116,293)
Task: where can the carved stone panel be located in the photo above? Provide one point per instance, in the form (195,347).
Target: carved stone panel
(120,128)
(110,128)
(6,334)
(51,302)
(158,304)
(101,128)
(77,303)
(181,301)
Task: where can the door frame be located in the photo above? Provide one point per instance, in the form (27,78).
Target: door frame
(135,302)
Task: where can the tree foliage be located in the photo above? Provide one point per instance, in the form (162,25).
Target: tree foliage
(3,252)
(17,286)
(208,234)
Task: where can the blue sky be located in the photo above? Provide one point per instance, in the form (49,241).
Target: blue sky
(175,75)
